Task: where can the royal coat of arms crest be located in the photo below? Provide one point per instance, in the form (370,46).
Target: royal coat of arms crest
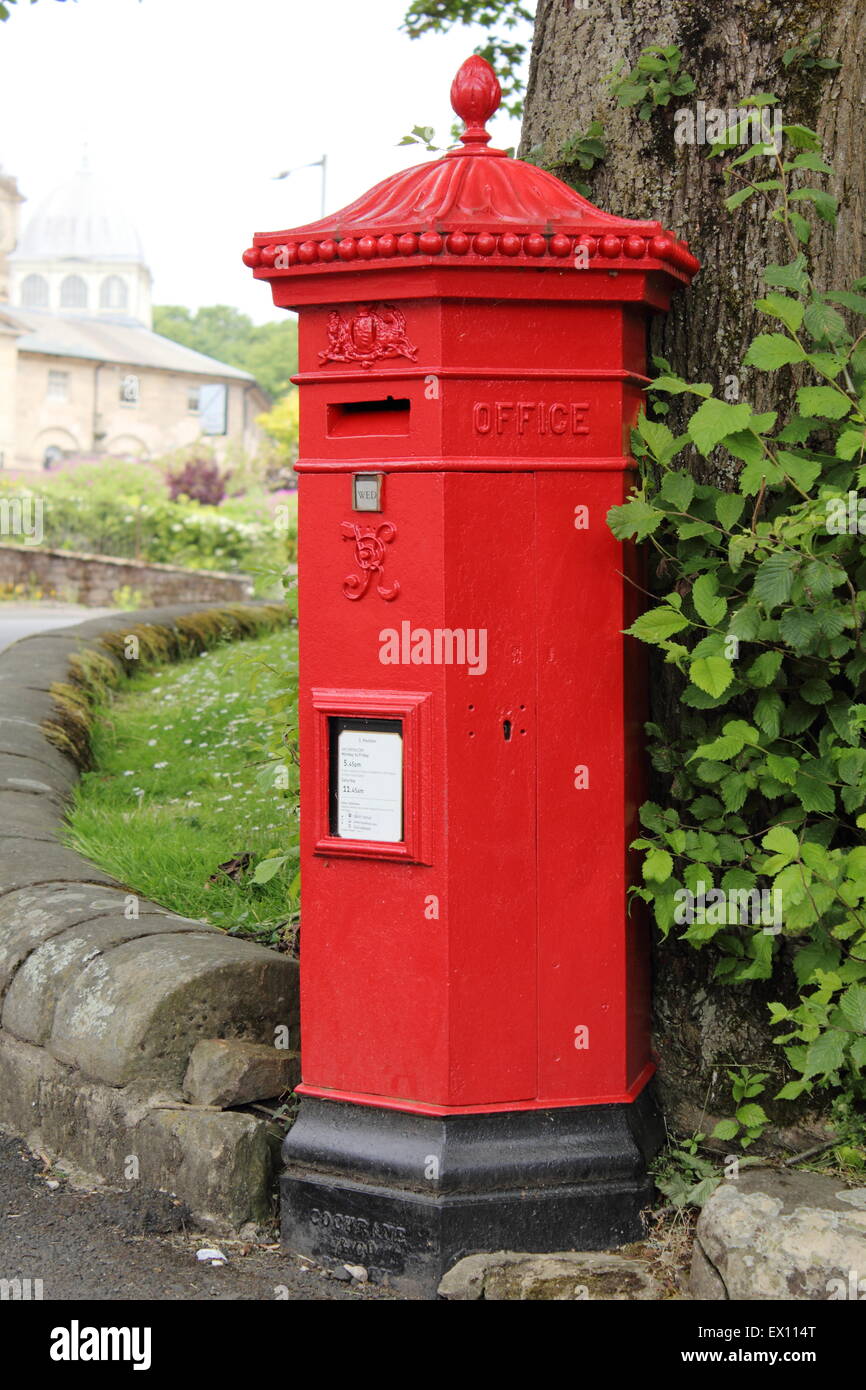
(369,335)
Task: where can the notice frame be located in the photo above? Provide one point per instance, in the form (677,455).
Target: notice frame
(388,712)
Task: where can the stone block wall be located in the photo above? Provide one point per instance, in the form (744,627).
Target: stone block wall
(93,580)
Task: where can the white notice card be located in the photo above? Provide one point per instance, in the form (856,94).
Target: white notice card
(370,773)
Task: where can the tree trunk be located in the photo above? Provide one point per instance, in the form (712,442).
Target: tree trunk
(731,49)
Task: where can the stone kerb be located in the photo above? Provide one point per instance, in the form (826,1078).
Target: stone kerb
(102,996)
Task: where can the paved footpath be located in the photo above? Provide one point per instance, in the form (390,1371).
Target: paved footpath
(23,619)
(127,1244)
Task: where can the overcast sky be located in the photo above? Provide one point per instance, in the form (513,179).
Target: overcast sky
(191,106)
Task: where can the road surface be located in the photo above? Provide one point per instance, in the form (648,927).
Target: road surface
(106,1244)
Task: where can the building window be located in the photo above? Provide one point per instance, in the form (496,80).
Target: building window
(73,293)
(193,400)
(213,408)
(58,386)
(129,392)
(34,292)
(113,293)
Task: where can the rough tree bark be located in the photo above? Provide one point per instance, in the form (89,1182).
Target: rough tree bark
(731,48)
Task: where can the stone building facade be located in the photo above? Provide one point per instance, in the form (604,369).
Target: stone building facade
(81,371)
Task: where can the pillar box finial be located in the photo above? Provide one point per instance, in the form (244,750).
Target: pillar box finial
(475,96)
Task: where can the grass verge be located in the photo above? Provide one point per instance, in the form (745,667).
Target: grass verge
(185,797)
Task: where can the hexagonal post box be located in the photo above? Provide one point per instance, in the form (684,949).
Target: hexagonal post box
(474,991)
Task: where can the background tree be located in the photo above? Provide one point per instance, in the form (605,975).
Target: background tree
(281,425)
(5,11)
(811,58)
(730,49)
(504,47)
(268,350)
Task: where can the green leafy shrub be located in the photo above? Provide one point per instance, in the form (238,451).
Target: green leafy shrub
(124,510)
(654,79)
(761,605)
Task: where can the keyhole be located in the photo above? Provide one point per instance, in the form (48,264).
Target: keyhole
(506,730)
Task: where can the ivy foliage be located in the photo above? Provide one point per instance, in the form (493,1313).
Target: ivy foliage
(581,151)
(655,78)
(803,54)
(760,606)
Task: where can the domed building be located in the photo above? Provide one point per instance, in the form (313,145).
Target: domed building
(81,252)
(81,371)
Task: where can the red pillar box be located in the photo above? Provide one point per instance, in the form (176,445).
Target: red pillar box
(474,992)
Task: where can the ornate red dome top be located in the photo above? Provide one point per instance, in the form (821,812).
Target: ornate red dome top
(474,205)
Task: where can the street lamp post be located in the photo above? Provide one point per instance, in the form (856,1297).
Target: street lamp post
(314,164)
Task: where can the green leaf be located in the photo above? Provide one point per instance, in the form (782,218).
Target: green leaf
(720,749)
(823,323)
(267,869)
(746,446)
(764,668)
(792,1090)
(789,277)
(658,866)
(709,604)
(774,579)
(634,520)
(824,401)
(678,489)
(658,437)
(823,202)
(855,302)
(712,674)
(798,627)
(734,789)
(853,1006)
(729,509)
(675,386)
(807,161)
(850,443)
(754,475)
(771,350)
(629,94)
(726,1129)
(816,692)
(781,306)
(782,769)
(801,471)
(657,624)
(741,196)
(782,840)
(814,794)
(752,1116)
(768,713)
(826,1054)
(715,419)
(802,137)
(801,227)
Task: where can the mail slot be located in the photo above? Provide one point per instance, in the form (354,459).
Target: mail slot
(475,993)
(388,416)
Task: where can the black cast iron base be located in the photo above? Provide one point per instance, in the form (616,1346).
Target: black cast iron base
(407,1196)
